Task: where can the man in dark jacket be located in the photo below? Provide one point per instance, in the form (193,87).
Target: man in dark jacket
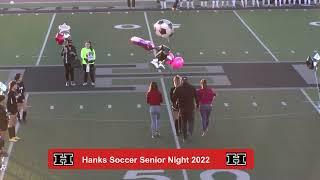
(186,97)
(69,54)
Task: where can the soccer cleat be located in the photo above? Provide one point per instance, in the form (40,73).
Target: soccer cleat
(203,134)
(67,84)
(73,83)
(84,84)
(12,140)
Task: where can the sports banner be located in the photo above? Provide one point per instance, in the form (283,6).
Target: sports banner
(150,159)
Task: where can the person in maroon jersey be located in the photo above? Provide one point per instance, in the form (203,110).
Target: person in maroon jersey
(205,96)
(154,99)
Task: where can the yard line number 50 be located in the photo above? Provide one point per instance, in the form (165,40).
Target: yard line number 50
(205,175)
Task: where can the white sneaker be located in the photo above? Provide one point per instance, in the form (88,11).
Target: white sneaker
(13,140)
(84,84)
(67,84)
(93,83)
(73,83)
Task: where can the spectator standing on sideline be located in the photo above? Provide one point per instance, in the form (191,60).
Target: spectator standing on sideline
(154,99)
(205,96)
(21,100)
(186,97)
(131,3)
(69,55)
(204,3)
(88,56)
(12,107)
(175,5)
(163,4)
(175,110)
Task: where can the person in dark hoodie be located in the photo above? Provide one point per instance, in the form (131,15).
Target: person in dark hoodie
(12,107)
(186,97)
(175,110)
(69,55)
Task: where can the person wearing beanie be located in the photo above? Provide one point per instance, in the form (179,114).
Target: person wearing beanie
(12,107)
(3,125)
(69,54)
(21,100)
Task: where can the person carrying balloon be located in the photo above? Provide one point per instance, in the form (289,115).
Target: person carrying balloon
(88,56)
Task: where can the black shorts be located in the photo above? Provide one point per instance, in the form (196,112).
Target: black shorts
(20,100)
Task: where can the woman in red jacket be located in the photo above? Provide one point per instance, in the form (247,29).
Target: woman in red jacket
(154,99)
(205,96)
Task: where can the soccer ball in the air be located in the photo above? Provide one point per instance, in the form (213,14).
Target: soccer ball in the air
(163,28)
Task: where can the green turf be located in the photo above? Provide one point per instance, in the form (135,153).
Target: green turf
(66,125)
(211,33)
(99,28)
(22,38)
(284,31)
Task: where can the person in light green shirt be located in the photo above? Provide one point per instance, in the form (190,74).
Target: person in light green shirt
(88,56)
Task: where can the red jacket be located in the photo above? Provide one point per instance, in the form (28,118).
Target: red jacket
(154,97)
(205,96)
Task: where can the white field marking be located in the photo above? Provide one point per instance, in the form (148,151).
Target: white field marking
(131,54)
(92,119)
(310,100)
(201,53)
(164,90)
(162,12)
(6,160)
(198,11)
(304,9)
(215,11)
(138,105)
(46,39)
(223,52)
(226,104)
(108,12)
(254,104)
(109,54)
(81,107)
(246,52)
(17,56)
(51,107)
(254,34)
(269,10)
(1,14)
(109,106)
(37,14)
(19,14)
(180,11)
(251,10)
(283,103)
(287,10)
(90,13)
(126,12)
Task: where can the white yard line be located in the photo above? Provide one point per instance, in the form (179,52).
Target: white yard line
(310,100)
(257,38)
(164,90)
(46,39)
(5,160)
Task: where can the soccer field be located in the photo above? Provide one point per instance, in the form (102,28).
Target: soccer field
(266,99)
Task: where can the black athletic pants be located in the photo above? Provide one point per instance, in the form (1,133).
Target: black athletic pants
(92,72)
(69,71)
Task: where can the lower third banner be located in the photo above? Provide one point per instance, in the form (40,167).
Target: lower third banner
(150,159)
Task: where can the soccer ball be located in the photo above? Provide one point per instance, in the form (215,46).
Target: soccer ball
(163,28)
(11,2)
